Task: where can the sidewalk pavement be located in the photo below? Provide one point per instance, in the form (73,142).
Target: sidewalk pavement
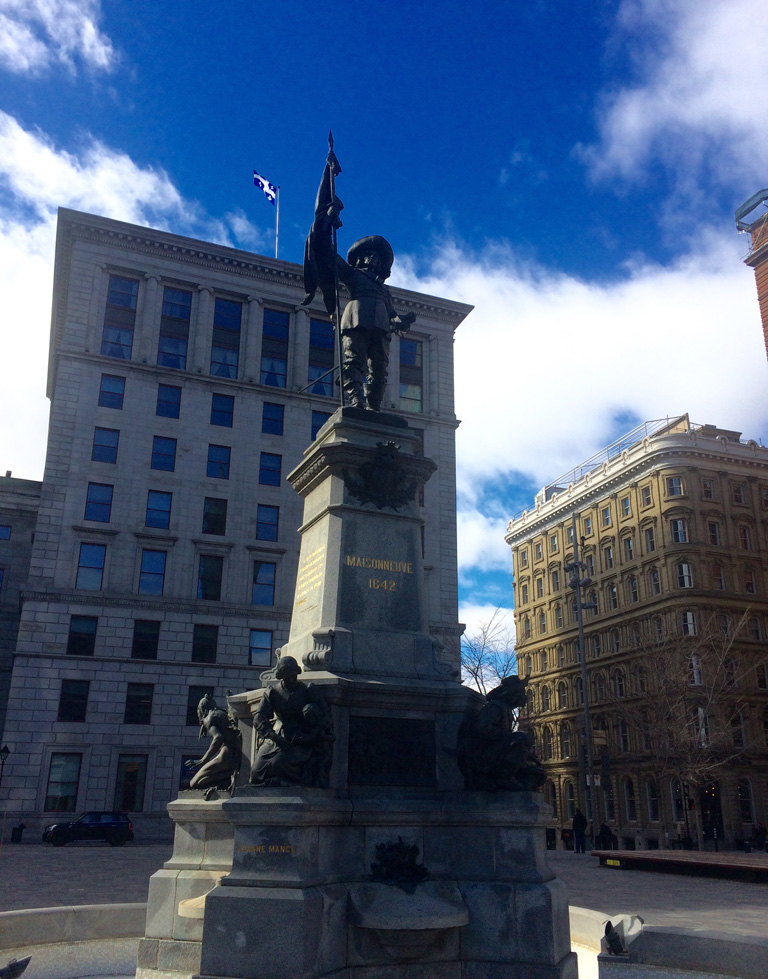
(37,876)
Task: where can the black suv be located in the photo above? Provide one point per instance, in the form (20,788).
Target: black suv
(113,827)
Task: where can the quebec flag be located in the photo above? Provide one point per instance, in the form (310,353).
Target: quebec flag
(269,189)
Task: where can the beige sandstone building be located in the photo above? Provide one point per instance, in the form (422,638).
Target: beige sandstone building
(672,525)
(186,380)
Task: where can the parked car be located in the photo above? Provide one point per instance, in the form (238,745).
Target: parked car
(113,827)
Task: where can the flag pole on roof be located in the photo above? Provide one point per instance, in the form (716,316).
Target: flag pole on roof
(272,193)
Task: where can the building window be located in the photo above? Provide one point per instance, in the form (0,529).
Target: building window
(679,530)
(163,453)
(222,410)
(745,538)
(558,617)
(168,401)
(98,502)
(526,628)
(269,469)
(411,375)
(592,600)
(626,508)
(708,489)
(81,640)
(5,532)
(646,497)
(274,349)
(218,461)
(320,357)
(613,596)
(579,687)
(73,700)
(623,736)
(266,522)
(745,801)
(209,574)
(319,418)
(597,644)
(551,795)
(548,751)
(152,574)
(565,741)
(650,540)
(754,631)
(63,780)
(174,329)
(542,623)
(538,551)
(629,549)
(555,581)
(632,590)
(119,318)
(158,509)
(587,526)
(111,393)
(105,442)
(652,798)
(562,696)
(205,640)
(724,623)
(684,573)
(713,529)
(678,800)
(674,486)
(524,594)
(607,558)
(263,591)
(260,647)
(694,671)
(272,418)
(130,782)
(718,577)
(750,582)
(194,696)
(225,349)
(138,703)
(553,544)
(615,640)
(90,567)
(655,581)
(146,639)
(540,587)
(214,516)
(543,661)
(524,558)
(739,493)
(688,623)
(569,535)
(606,512)
(599,685)
(629,797)
(619,686)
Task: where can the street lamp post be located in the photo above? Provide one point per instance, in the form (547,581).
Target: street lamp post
(577,583)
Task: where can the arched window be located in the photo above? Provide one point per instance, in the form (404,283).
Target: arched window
(558,616)
(640,682)
(579,688)
(613,596)
(570,800)
(565,741)
(654,579)
(678,801)
(623,736)
(630,802)
(548,744)
(658,629)
(530,701)
(618,683)
(597,644)
(526,628)
(754,630)
(593,602)
(730,672)
(652,796)
(545,704)
(615,640)
(745,801)
(633,591)
(599,686)
(550,794)
(645,730)
(694,671)
(542,623)
(562,695)
(528,665)
(544,661)
(560,651)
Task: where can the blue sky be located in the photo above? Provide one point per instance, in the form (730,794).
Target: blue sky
(571,169)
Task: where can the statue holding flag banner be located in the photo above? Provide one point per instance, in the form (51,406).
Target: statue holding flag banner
(369,318)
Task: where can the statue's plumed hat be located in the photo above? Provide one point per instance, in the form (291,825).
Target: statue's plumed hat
(376,244)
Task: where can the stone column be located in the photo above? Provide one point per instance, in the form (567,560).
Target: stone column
(252,346)
(147,330)
(202,332)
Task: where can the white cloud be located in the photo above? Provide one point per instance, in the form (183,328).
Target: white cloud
(546,362)
(698,104)
(476,617)
(36,178)
(35,34)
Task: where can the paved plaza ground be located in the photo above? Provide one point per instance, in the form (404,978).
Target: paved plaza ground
(33,875)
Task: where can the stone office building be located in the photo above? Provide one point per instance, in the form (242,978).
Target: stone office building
(673,528)
(185,381)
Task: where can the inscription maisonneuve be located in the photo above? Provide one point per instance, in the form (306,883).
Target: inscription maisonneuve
(379,564)
(310,574)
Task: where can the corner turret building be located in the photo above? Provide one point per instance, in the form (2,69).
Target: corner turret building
(672,525)
(186,380)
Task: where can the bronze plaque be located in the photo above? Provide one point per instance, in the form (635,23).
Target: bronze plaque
(391,751)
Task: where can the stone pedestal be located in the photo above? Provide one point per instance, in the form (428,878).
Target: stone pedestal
(316,886)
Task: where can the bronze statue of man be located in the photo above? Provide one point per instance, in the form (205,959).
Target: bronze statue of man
(369,318)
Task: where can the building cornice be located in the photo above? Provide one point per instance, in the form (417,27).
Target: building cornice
(652,453)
